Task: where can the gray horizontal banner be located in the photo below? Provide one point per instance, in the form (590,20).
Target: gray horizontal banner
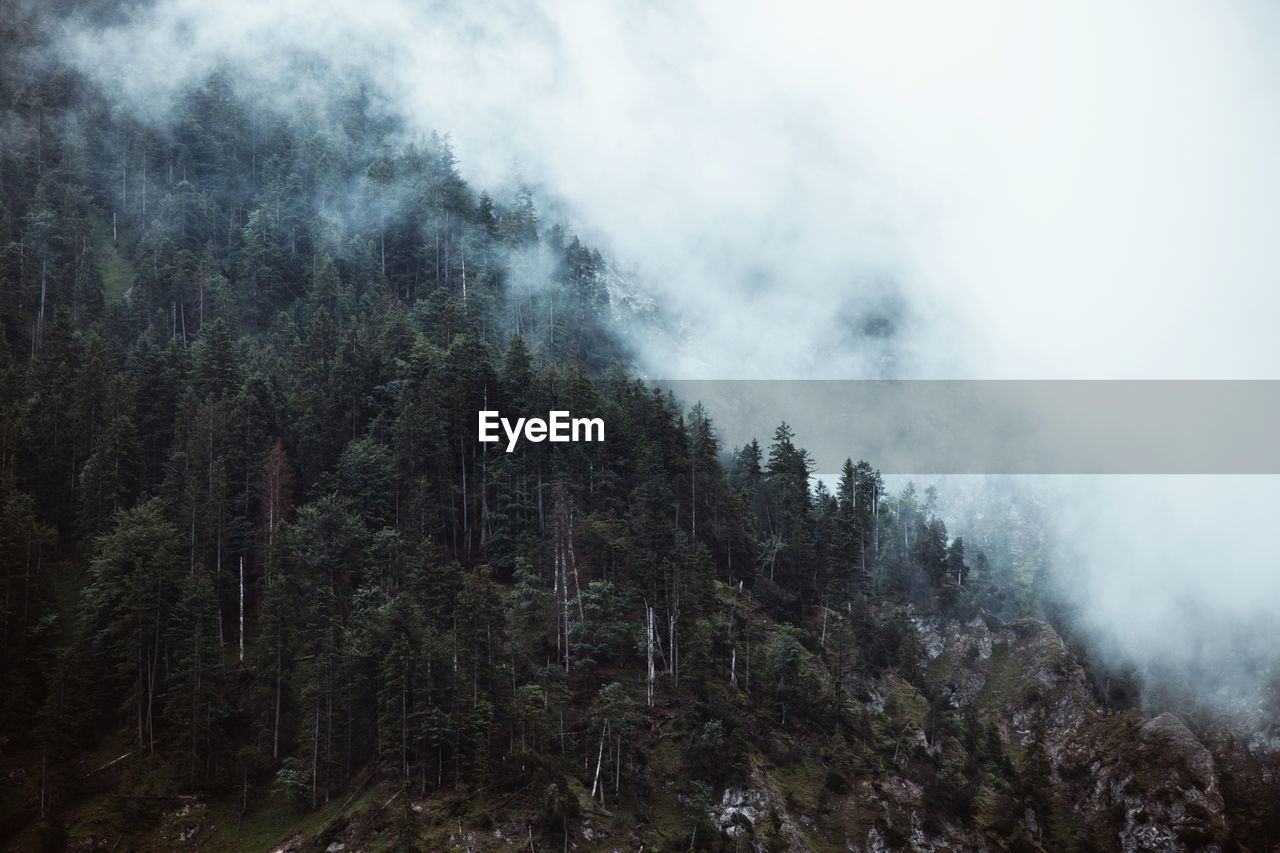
(1007,426)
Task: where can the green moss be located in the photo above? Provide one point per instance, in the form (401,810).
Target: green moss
(664,761)
(938,671)
(98,817)
(117,273)
(801,783)
(911,706)
(984,806)
(1115,736)
(268,824)
(1010,668)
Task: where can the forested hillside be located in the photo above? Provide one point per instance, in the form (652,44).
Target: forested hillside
(263,587)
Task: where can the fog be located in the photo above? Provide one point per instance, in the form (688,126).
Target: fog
(843,190)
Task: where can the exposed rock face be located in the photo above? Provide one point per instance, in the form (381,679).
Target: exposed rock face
(745,814)
(1149,784)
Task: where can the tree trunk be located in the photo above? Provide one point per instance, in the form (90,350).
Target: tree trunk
(648,643)
(242,610)
(599,760)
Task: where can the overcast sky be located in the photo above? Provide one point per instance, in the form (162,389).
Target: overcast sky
(957,190)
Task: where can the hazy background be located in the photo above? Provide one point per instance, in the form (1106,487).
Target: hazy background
(987,190)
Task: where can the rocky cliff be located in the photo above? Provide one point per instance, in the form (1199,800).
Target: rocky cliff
(1147,784)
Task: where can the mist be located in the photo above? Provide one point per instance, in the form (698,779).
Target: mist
(992,190)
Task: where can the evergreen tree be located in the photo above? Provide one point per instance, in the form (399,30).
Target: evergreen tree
(128,605)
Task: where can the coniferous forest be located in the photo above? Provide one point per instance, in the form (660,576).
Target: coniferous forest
(263,589)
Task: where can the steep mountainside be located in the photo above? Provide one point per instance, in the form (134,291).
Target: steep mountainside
(1012,752)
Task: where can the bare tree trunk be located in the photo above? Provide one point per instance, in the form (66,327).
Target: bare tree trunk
(822,643)
(565,587)
(555,594)
(573,563)
(600,760)
(466,524)
(648,643)
(673,661)
(44,266)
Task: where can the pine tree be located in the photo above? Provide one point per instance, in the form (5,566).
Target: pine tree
(128,603)
(109,479)
(788,517)
(193,702)
(957,568)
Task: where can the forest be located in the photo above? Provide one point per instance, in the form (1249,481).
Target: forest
(263,587)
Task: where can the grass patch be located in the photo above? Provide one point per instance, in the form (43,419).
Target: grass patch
(801,783)
(117,273)
(275,821)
